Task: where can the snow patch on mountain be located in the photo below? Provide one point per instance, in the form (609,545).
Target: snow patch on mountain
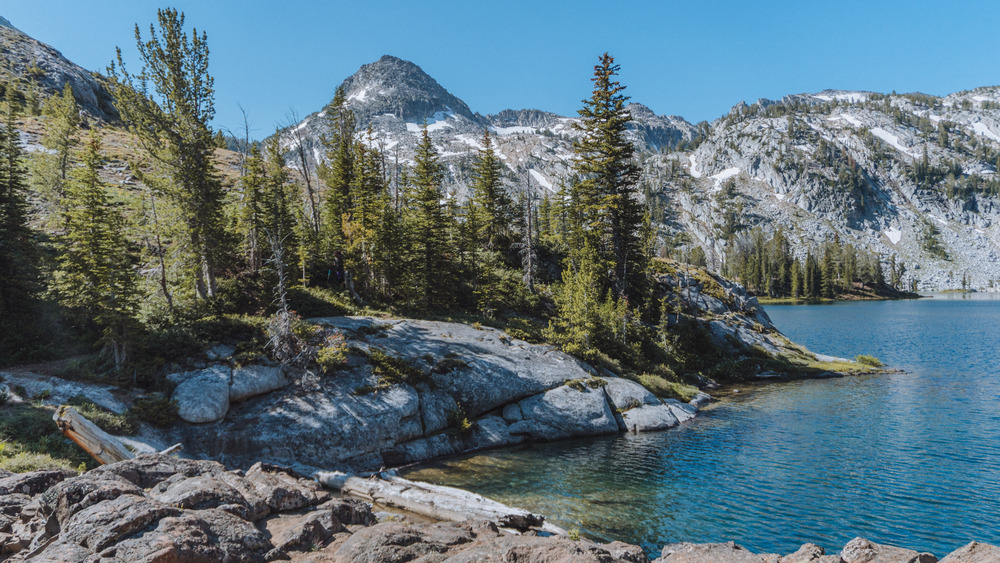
(892,140)
(541,179)
(894,235)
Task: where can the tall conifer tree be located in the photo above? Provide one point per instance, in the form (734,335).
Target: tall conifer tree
(96,274)
(608,213)
(168,106)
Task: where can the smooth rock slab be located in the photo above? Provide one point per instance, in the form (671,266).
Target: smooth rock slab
(254,380)
(202,395)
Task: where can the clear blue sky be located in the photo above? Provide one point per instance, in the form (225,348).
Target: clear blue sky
(694,58)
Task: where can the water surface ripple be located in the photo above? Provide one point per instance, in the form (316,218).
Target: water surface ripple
(908,459)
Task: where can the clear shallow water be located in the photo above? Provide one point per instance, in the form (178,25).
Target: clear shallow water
(908,459)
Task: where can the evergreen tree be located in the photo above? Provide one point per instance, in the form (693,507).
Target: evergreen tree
(278,218)
(429,264)
(491,201)
(171,123)
(96,275)
(338,169)
(607,215)
(50,170)
(17,253)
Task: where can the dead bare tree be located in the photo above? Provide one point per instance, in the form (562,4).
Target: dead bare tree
(299,148)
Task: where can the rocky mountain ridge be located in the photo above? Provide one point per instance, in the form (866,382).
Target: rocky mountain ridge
(39,70)
(837,165)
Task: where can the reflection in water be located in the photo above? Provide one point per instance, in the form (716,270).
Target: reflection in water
(908,459)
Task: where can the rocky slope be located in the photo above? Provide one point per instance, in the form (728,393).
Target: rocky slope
(157,508)
(408,390)
(34,67)
(846,166)
(835,165)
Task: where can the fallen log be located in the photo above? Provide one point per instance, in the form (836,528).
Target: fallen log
(433,501)
(104,447)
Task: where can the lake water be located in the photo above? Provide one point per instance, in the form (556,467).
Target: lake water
(908,459)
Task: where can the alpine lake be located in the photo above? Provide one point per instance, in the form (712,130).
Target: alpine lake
(909,459)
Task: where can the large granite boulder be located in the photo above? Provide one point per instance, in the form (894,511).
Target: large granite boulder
(565,412)
(253,380)
(202,395)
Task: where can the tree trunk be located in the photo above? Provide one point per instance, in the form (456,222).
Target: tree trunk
(96,442)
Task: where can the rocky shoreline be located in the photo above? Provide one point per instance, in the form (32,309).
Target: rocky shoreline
(165,509)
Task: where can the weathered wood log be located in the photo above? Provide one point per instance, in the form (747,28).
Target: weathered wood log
(104,447)
(434,501)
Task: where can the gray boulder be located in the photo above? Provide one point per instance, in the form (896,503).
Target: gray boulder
(202,395)
(860,550)
(648,418)
(811,553)
(254,380)
(625,394)
(565,412)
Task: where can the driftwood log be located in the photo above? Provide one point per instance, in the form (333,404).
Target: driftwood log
(104,447)
(433,501)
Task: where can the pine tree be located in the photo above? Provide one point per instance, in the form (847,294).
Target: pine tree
(96,275)
(171,123)
(491,201)
(608,216)
(338,170)
(50,170)
(429,265)
(17,253)
(277,202)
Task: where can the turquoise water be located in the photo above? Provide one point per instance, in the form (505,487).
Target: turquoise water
(908,459)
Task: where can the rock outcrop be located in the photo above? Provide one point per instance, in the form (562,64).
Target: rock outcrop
(157,508)
(508,390)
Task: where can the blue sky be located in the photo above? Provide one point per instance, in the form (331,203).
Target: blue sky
(695,59)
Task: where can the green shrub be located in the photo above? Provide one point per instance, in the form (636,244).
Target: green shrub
(458,420)
(391,370)
(333,355)
(4,395)
(29,440)
(158,411)
(867,360)
(663,388)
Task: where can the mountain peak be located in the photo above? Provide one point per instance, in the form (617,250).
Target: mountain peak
(399,87)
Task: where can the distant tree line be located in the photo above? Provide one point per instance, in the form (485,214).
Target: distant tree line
(767,267)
